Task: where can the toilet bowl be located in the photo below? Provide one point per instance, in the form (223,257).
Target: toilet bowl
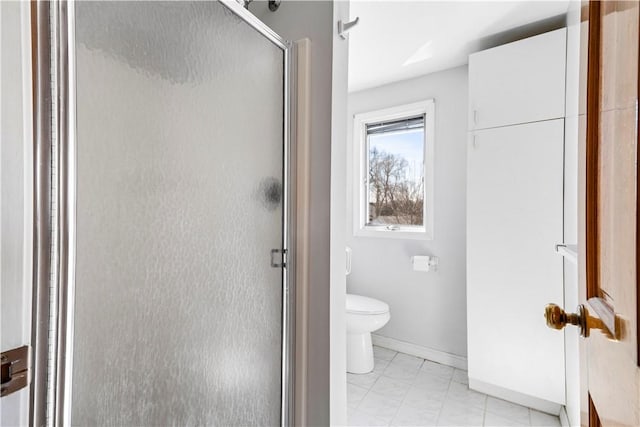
(364,315)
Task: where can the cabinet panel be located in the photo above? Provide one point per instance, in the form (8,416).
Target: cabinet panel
(515,193)
(519,82)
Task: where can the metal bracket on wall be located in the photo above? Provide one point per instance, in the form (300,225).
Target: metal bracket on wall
(344,27)
(15,370)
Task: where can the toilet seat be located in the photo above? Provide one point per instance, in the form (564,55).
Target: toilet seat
(357,304)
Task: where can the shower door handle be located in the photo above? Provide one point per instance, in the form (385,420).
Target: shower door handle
(283,258)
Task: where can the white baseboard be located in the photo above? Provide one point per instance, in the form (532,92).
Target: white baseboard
(438,356)
(516,397)
(564,417)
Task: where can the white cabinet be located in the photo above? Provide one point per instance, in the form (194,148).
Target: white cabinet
(518,82)
(515,200)
(515,219)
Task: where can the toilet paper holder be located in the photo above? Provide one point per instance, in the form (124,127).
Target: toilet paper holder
(424,263)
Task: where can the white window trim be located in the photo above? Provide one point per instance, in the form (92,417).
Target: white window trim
(359,170)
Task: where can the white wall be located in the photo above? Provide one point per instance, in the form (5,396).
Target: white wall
(15,194)
(427,309)
(316,20)
(338,350)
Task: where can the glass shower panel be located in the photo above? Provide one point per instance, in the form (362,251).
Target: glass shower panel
(178,312)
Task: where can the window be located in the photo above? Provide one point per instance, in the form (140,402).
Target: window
(393,172)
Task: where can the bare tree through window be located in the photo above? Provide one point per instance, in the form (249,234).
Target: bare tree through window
(396,173)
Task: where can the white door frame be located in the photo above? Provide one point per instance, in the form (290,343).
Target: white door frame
(16,194)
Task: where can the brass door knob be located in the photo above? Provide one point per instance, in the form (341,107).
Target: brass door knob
(557,318)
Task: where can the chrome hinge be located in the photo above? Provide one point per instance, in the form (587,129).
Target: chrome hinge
(283,258)
(15,370)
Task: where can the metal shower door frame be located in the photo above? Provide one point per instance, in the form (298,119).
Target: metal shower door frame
(53,28)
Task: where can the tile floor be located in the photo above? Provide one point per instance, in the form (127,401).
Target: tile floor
(404,390)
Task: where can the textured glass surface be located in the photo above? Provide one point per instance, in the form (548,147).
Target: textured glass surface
(179,175)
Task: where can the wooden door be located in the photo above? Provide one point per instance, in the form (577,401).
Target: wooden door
(608,196)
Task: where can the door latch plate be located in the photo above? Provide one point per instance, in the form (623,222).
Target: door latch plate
(15,370)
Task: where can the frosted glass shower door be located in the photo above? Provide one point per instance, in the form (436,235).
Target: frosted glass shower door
(177,316)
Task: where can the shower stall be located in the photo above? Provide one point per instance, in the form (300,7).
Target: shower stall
(163,216)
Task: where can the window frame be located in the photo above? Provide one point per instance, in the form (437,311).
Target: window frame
(360,171)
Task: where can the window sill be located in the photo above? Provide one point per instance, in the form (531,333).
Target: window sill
(393,234)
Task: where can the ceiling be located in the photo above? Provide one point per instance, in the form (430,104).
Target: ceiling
(398,40)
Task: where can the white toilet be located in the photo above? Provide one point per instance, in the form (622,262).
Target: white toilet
(364,315)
